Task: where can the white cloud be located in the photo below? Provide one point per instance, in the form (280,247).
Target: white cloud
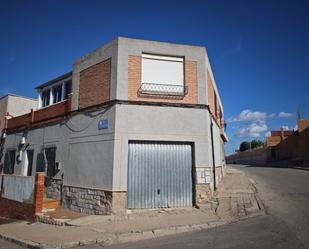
(286,128)
(285,115)
(253,130)
(248,115)
(267,134)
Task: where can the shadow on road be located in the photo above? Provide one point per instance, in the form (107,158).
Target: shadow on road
(299,167)
(6,221)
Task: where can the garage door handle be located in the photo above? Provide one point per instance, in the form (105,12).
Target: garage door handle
(158,191)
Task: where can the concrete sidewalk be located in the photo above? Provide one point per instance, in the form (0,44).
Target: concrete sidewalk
(235,198)
(238,197)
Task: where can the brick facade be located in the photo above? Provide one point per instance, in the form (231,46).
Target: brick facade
(135,77)
(38,192)
(94,86)
(211,94)
(213,101)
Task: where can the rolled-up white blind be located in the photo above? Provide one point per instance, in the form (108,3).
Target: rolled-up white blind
(162,70)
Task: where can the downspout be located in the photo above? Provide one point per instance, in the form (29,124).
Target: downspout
(213,153)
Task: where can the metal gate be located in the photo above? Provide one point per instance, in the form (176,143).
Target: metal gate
(159,175)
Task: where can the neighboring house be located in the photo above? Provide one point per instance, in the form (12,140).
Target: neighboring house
(15,105)
(289,145)
(136,124)
(278,136)
(12,105)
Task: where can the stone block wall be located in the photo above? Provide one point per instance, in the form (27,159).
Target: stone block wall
(90,201)
(204,183)
(53,188)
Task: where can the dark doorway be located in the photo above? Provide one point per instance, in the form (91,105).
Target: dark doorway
(50,154)
(9,162)
(30,162)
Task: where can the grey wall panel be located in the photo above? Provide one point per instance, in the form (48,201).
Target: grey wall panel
(160,175)
(90,164)
(153,123)
(18,188)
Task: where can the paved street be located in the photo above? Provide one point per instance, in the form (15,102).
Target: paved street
(285,193)
(286,196)
(7,245)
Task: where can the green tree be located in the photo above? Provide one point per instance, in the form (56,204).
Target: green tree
(256,143)
(244,146)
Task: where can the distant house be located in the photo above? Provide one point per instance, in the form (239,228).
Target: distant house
(276,136)
(281,145)
(15,105)
(136,124)
(289,144)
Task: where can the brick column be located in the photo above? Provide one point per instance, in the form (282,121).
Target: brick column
(68,105)
(38,192)
(32,116)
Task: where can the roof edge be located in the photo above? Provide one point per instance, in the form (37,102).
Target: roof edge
(61,77)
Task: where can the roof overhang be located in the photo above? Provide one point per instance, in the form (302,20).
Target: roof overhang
(55,80)
(224,136)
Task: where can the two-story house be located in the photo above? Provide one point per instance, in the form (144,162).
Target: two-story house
(136,124)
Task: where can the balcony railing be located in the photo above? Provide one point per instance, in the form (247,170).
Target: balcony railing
(45,114)
(163,89)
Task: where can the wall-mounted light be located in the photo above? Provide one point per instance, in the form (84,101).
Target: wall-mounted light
(23,140)
(4,135)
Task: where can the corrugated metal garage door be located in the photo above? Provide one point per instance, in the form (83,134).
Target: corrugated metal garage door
(159,175)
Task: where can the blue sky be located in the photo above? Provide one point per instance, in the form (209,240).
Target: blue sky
(259,50)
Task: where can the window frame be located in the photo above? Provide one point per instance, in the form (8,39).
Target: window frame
(163,88)
(51,88)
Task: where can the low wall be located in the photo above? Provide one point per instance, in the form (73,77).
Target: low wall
(21,196)
(90,201)
(18,188)
(255,156)
(16,210)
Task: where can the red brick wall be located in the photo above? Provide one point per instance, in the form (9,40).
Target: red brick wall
(50,111)
(211,94)
(303,144)
(19,120)
(94,85)
(302,124)
(26,211)
(212,99)
(46,114)
(135,76)
(16,210)
(38,192)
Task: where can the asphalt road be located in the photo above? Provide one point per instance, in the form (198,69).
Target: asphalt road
(285,193)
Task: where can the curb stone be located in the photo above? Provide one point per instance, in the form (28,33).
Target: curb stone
(119,238)
(21,242)
(110,239)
